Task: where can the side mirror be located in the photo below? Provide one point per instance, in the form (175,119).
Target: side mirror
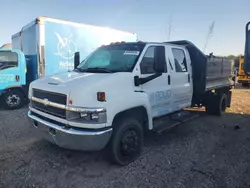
(159,59)
(76,59)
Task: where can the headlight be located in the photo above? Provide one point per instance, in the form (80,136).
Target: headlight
(30,92)
(87,117)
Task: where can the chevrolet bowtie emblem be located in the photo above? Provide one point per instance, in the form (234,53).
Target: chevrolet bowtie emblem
(45,102)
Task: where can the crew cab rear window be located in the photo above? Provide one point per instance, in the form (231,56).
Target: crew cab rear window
(8,60)
(179,60)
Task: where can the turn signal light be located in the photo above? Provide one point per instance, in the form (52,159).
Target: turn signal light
(70,101)
(101,96)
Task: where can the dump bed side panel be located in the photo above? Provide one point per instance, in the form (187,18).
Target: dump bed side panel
(63,39)
(218,68)
(219,72)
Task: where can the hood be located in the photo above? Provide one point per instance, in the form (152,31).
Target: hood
(67,82)
(74,78)
(82,87)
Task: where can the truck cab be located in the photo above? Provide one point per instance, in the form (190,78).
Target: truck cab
(12,78)
(122,90)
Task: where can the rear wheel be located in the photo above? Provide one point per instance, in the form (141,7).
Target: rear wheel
(217,104)
(13,99)
(127,141)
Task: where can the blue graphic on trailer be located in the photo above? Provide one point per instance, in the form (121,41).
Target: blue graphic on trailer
(66,47)
(63,40)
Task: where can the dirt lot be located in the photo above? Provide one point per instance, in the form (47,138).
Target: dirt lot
(207,152)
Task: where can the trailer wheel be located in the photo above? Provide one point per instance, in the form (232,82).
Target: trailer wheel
(127,141)
(217,105)
(13,99)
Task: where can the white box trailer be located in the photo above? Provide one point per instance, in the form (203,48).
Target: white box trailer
(49,44)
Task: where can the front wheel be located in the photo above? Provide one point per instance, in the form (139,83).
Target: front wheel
(13,99)
(127,141)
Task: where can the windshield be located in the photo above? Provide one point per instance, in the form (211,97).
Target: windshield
(113,58)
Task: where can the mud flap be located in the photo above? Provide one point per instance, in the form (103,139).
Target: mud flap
(229,99)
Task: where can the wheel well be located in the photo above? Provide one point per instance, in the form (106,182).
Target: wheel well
(139,113)
(209,94)
(15,89)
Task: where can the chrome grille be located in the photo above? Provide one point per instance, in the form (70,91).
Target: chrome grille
(52,97)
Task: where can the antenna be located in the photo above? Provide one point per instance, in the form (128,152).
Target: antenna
(169,28)
(209,34)
(67,43)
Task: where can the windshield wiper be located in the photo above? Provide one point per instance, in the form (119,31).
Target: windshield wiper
(98,69)
(80,70)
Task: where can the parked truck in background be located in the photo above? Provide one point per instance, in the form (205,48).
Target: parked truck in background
(49,46)
(122,90)
(243,79)
(12,78)
(246,64)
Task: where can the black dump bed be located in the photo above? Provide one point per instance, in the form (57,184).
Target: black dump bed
(208,72)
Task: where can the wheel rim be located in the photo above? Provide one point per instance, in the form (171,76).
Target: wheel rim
(13,100)
(129,144)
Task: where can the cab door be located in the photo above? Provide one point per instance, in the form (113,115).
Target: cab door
(11,73)
(181,77)
(158,90)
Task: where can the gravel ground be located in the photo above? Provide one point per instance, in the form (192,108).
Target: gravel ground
(206,152)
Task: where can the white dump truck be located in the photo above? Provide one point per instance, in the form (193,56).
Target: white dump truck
(122,90)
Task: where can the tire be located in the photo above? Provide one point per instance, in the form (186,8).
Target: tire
(13,99)
(217,105)
(126,143)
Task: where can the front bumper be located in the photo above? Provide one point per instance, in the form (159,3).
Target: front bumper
(69,137)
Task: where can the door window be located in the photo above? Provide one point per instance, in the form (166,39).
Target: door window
(179,60)
(8,60)
(147,63)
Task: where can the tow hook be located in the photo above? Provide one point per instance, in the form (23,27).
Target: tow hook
(52,131)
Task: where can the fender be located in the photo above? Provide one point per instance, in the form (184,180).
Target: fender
(136,99)
(22,88)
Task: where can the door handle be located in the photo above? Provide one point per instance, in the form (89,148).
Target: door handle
(188,77)
(169,80)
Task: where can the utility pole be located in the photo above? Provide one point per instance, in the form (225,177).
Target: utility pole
(209,35)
